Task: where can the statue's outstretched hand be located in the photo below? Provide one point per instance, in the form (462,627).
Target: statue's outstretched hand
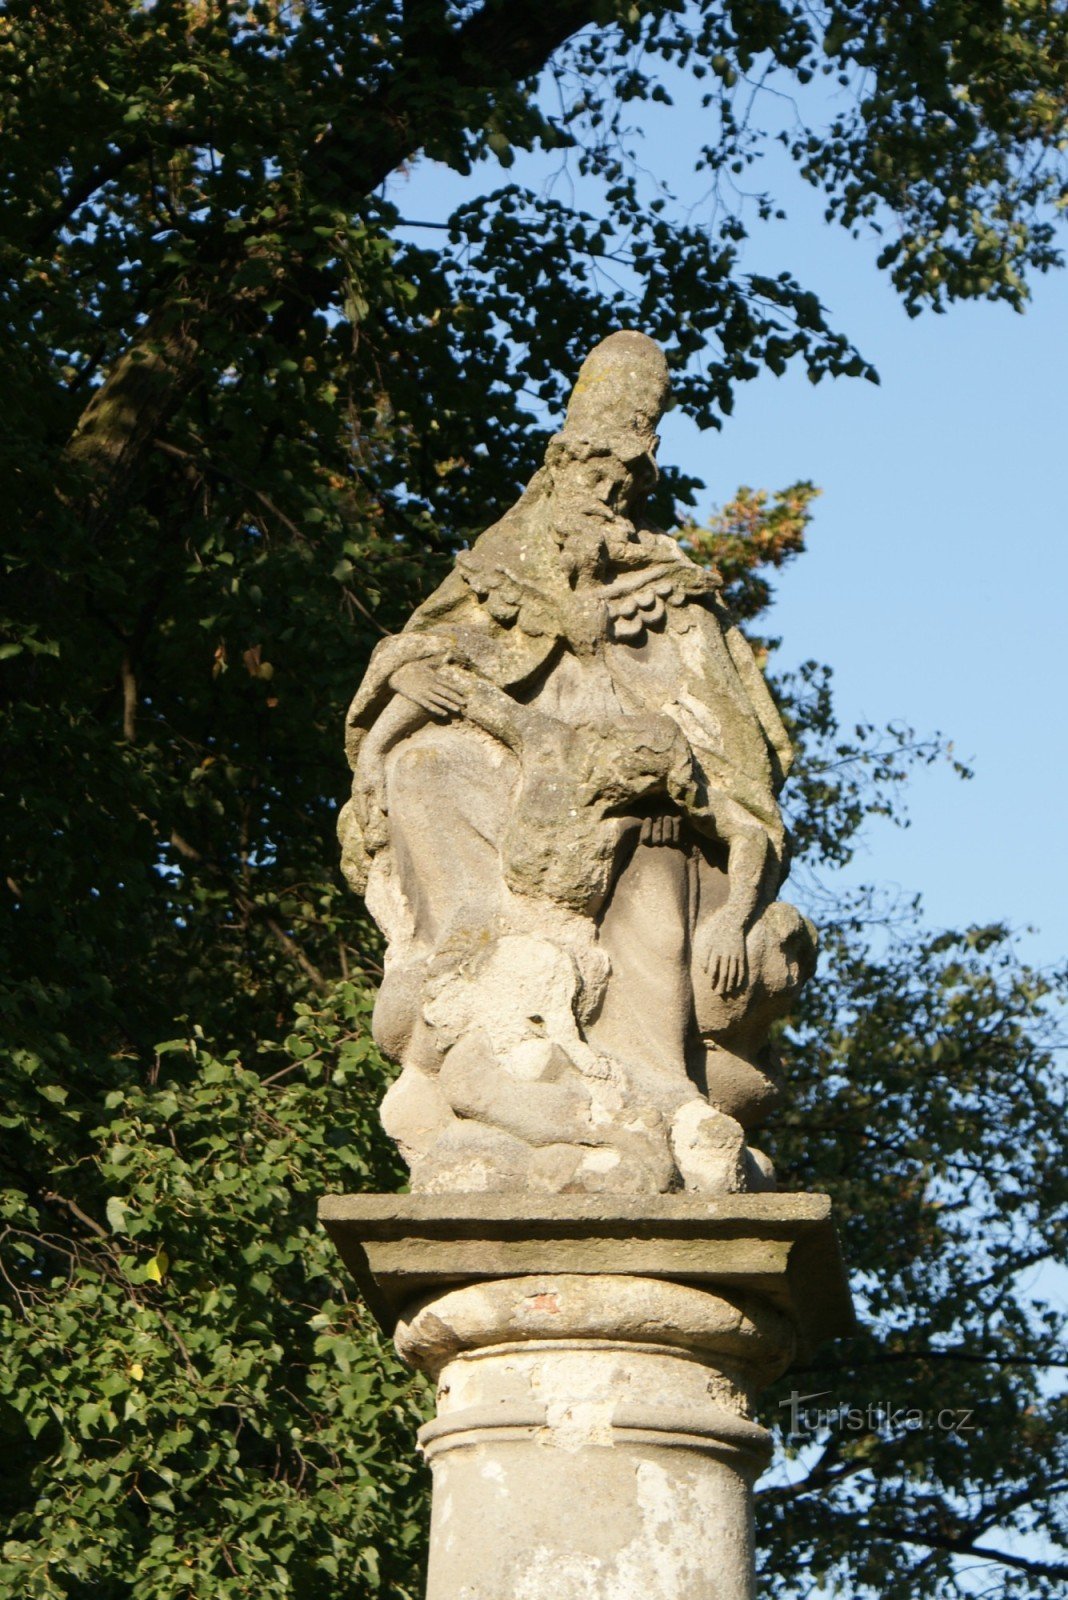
(425,685)
(719,947)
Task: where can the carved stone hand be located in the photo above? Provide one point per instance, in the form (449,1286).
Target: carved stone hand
(425,685)
(719,947)
(661,830)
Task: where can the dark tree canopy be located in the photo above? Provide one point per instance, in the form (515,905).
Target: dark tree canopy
(248,423)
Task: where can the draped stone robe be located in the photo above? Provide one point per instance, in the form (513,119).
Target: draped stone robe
(604,696)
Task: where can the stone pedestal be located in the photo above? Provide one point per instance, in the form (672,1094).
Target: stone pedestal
(596,1364)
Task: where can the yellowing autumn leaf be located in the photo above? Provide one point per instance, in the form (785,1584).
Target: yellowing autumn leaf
(157,1266)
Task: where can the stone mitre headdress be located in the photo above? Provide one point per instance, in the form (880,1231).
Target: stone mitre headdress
(619,397)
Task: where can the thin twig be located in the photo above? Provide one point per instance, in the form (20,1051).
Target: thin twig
(76,1211)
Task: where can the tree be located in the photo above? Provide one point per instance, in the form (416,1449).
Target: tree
(253,424)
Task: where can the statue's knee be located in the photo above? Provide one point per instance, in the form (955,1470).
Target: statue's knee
(784,949)
(416,764)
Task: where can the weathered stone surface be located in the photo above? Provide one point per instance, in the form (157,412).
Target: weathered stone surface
(594,1437)
(597,1360)
(750,1338)
(776,1253)
(564,818)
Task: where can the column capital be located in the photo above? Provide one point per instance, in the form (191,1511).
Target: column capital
(779,1251)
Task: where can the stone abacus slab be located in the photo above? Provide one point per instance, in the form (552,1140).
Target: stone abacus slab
(782,1248)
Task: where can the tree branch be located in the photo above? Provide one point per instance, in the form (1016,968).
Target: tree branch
(51,1198)
(106,170)
(129,699)
(501,43)
(250,907)
(962,1547)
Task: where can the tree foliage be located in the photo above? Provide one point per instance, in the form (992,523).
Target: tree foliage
(253,423)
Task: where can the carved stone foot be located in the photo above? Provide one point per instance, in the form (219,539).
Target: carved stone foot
(711,1153)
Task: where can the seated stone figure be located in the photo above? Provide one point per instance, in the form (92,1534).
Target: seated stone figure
(564,819)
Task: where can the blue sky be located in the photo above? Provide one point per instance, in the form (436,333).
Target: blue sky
(937,571)
(936,577)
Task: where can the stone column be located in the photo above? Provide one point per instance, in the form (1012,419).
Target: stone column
(594,1437)
(596,1366)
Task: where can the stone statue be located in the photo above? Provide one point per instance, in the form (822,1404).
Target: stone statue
(564,819)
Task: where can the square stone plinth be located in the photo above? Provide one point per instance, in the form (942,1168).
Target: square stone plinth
(782,1247)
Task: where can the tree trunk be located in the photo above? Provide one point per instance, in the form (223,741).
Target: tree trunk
(164,364)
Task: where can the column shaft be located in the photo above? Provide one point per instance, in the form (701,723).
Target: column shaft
(593,1439)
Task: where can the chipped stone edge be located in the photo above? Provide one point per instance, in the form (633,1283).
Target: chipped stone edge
(780,1247)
